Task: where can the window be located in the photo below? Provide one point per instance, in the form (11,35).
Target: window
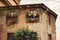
(32,37)
(11,17)
(32,16)
(1,13)
(49,37)
(10,36)
(35,36)
(49,19)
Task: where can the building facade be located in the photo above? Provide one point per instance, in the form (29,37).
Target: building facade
(38,17)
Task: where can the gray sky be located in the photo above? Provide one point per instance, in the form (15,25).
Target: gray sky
(53,5)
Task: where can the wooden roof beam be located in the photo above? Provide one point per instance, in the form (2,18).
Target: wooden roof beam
(4,2)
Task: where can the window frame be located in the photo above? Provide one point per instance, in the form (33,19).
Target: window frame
(49,19)
(49,37)
(37,17)
(11,18)
(10,36)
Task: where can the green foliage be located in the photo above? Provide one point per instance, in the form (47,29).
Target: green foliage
(23,33)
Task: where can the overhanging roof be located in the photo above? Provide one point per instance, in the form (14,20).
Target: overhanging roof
(5,2)
(29,6)
(9,2)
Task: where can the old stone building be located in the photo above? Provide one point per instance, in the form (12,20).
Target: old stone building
(38,17)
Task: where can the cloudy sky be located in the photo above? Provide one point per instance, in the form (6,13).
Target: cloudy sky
(53,5)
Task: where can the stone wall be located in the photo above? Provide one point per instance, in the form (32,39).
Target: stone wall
(42,27)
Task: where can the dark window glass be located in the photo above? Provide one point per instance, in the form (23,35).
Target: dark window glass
(11,17)
(10,36)
(32,37)
(32,16)
(49,37)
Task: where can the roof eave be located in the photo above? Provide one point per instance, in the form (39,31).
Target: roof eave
(32,5)
(49,10)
